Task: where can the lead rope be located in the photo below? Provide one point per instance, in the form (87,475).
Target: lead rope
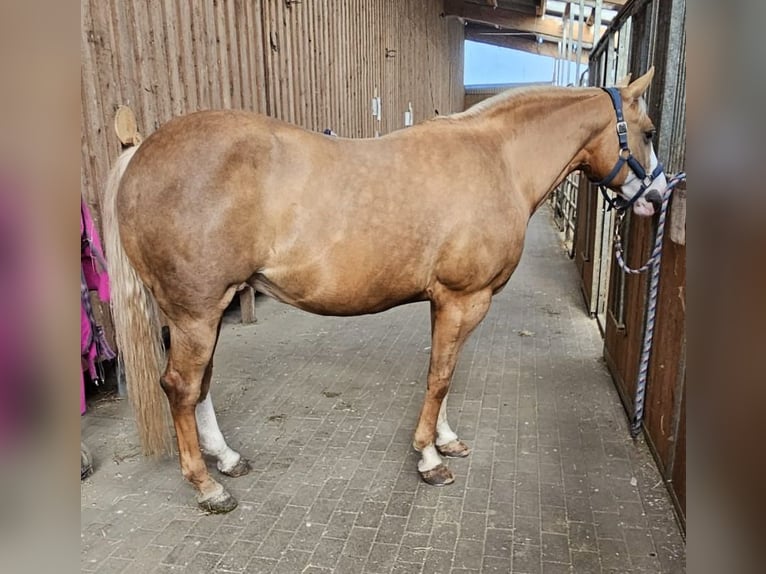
(651,310)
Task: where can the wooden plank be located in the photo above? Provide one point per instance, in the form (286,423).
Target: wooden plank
(286,79)
(303,62)
(91,104)
(211,57)
(235,67)
(87,168)
(271,71)
(188,98)
(677,220)
(107,83)
(238,26)
(145,65)
(256,53)
(171,38)
(157,35)
(342,69)
(360,39)
(247,305)
(199,48)
(354,70)
(333,69)
(314,71)
(669,338)
(678,484)
(324,82)
(373,67)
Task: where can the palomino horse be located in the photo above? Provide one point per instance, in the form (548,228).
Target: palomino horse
(436,212)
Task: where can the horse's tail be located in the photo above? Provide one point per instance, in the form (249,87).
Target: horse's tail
(137,326)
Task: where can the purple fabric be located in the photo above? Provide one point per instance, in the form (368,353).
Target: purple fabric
(93,345)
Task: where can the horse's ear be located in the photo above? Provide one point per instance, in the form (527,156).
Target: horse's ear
(637,88)
(624,82)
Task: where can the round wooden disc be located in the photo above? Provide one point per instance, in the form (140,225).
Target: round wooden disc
(126,127)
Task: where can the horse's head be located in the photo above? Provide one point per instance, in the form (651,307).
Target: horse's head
(622,156)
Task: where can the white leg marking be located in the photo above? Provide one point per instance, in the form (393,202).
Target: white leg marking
(210,437)
(444,434)
(430,459)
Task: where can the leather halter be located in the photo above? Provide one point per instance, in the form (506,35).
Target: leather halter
(618,202)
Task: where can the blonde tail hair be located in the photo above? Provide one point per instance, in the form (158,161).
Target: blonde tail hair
(137,327)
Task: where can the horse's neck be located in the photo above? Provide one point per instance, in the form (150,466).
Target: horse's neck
(545,134)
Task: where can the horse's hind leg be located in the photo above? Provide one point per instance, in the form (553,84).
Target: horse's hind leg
(192,345)
(454,315)
(211,439)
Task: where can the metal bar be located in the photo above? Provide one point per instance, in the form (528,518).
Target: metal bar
(581,21)
(568,32)
(627,11)
(623,50)
(597,22)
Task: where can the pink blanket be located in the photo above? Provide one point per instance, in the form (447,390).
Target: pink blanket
(93,345)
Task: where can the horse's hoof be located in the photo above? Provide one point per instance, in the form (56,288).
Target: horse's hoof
(220,503)
(454,449)
(240,469)
(438,476)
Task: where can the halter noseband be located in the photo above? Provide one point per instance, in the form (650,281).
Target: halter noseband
(619,203)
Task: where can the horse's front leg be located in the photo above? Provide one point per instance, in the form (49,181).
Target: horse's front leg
(454,315)
(447,442)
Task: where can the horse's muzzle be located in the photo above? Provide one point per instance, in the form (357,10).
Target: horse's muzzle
(648,204)
(654,197)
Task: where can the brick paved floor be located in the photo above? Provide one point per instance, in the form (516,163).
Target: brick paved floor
(325,409)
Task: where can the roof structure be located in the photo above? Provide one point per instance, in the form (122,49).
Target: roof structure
(557,28)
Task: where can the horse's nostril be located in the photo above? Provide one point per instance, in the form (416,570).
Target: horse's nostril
(653,196)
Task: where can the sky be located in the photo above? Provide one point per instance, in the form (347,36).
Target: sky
(485,64)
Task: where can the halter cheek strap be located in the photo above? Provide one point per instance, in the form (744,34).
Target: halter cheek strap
(625,157)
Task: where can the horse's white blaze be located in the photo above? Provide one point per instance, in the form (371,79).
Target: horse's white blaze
(430,459)
(444,434)
(210,436)
(633,184)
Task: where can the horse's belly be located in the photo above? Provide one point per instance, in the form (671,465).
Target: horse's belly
(340,297)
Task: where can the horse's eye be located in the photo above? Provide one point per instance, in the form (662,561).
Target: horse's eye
(649,134)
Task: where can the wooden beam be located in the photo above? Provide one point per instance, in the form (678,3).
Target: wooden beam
(516,43)
(550,27)
(611,4)
(247,305)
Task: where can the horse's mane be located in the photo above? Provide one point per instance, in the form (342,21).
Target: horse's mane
(509,95)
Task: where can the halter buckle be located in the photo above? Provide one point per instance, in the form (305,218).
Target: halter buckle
(622,128)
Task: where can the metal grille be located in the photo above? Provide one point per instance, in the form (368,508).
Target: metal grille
(565,209)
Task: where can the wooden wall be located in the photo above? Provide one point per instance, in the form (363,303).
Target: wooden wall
(316,63)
